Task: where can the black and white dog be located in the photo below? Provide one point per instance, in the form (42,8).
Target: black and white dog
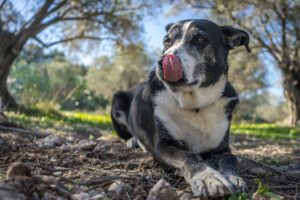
(182,113)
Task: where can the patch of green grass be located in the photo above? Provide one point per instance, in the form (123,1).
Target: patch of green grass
(33,118)
(240,196)
(264,191)
(59,119)
(267,131)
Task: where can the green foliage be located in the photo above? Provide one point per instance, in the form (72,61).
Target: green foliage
(260,108)
(84,99)
(264,190)
(76,20)
(242,196)
(267,131)
(52,82)
(246,72)
(34,118)
(125,68)
(51,118)
(49,81)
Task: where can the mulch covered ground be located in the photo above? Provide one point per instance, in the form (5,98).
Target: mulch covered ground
(65,165)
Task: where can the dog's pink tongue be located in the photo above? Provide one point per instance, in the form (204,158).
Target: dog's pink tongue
(172,68)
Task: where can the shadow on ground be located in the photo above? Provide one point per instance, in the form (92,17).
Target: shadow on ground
(90,163)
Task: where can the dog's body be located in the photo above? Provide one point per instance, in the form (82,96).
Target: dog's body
(182,113)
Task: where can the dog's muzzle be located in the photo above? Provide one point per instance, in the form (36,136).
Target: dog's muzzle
(172,68)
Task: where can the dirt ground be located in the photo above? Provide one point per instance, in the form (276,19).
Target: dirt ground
(95,165)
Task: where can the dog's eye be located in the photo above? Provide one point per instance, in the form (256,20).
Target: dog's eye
(167,41)
(199,39)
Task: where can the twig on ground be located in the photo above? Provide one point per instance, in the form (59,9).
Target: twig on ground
(62,178)
(293,175)
(244,170)
(102,179)
(253,162)
(282,181)
(250,162)
(23,131)
(282,186)
(48,168)
(61,191)
(286,195)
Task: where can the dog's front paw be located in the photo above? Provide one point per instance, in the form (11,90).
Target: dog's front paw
(211,184)
(238,182)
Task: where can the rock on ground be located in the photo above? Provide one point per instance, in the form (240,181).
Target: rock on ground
(86,145)
(118,188)
(50,141)
(162,190)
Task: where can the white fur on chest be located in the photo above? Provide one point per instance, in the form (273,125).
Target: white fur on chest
(201,131)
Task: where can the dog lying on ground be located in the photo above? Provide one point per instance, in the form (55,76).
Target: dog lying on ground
(182,113)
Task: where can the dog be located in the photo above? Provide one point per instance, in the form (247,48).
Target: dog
(182,113)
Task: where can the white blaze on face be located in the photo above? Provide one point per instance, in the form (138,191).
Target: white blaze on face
(188,62)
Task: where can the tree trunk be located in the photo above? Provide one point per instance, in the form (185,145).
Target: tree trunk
(292,94)
(7,57)
(7,100)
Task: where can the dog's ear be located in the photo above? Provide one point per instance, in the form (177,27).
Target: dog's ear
(167,28)
(235,37)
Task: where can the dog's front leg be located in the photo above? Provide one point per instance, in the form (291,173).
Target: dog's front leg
(204,180)
(227,164)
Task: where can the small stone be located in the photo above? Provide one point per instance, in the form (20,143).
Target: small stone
(162,190)
(131,166)
(18,169)
(118,188)
(51,141)
(93,193)
(12,195)
(53,160)
(80,196)
(101,196)
(48,196)
(67,161)
(57,173)
(86,145)
(3,145)
(66,147)
(295,165)
(185,196)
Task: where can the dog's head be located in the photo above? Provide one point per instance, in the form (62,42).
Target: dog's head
(195,53)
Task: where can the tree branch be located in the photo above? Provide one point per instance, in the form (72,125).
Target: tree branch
(2,4)
(284,46)
(268,34)
(26,33)
(257,37)
(83,37)
(61,18)
(209,5)
(40,15)
(58,6)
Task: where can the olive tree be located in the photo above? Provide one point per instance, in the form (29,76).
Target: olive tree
(64,21)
